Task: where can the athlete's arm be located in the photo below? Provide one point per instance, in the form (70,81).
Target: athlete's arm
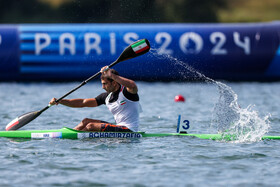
(129,84)
(76,103)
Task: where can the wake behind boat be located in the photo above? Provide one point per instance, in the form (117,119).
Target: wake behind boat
(68,133)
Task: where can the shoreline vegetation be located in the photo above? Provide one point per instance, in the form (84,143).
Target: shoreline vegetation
(145,11)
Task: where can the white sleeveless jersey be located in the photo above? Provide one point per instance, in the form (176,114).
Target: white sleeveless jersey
(125,111)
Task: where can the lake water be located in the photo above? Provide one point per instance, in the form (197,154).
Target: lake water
(165,161)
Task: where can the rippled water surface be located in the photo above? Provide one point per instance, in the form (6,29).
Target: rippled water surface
(165,161)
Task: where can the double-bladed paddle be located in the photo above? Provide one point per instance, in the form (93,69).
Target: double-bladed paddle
(137,48)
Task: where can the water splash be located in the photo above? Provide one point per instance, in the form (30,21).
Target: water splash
(248,127)
(242,124)
(229,119)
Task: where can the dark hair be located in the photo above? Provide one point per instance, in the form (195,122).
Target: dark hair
(109,79)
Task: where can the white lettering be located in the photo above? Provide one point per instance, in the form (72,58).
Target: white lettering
(245,45)
(113,43)
(191,43)
(165,39)
(219,39)
(40,46)
(63,45)
(130,37)
(95,45)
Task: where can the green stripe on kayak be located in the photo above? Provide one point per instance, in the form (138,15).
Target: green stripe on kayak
(68,133)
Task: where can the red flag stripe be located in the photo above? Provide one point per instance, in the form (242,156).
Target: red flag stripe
(143,49)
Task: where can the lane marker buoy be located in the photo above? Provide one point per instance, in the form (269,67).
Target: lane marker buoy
(179,98)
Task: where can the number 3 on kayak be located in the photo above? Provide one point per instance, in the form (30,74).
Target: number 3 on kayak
(183,125)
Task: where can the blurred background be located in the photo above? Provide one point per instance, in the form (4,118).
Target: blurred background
(69,39)
(127,11)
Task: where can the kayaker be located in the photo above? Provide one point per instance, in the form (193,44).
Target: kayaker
(121,98)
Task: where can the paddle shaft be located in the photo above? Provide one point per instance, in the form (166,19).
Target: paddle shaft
(76,88)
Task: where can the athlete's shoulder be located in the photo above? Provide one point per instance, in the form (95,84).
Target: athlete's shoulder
(100,99)
(130,96)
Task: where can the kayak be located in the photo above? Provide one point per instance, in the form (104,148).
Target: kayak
(68,133)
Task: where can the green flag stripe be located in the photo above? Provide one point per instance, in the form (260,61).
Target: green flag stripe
(138,43)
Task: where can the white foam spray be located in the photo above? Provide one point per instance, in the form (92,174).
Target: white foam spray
(229,119)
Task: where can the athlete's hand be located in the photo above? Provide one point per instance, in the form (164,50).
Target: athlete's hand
(53,102)
(106,71)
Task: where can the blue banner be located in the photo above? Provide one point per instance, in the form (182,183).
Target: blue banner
(76,51)
(9,53)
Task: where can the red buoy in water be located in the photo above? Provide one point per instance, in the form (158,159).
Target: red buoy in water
(179,98)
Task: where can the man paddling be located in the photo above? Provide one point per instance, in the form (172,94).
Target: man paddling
(121,98)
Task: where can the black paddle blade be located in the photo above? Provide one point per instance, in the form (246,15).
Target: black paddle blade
(137,48)
(22,120)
